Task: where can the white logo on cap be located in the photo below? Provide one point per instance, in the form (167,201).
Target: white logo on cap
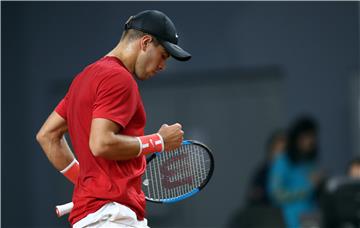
(176,35)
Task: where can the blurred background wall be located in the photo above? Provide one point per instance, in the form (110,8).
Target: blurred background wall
(255,67)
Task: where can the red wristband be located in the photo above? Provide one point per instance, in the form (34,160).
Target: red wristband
(71,172)
(150,144)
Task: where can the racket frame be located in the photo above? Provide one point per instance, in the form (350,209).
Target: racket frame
(195,190)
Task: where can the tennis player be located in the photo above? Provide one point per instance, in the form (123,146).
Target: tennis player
(105,118)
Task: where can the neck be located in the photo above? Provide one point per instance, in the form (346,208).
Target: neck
(127,55)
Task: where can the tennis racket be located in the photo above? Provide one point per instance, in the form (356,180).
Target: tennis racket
(173,175)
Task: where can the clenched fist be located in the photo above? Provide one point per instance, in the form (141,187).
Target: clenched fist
(172,136)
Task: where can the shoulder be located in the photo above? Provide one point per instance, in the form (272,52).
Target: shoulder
(113,75)
(110,68)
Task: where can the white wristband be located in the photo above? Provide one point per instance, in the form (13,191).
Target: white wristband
(150,144)
(162,143)
(69,166)
(140,146)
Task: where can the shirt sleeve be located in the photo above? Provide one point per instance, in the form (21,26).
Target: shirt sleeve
(116,99)
(61,108)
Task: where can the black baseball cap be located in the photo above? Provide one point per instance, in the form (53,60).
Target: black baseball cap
(162,28)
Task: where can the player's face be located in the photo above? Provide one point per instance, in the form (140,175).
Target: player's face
(150,61)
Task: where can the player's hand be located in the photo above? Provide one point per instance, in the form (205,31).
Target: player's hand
(172,136)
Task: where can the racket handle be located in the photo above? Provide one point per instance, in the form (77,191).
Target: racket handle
(64,209)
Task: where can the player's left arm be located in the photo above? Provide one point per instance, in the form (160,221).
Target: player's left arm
(51,137)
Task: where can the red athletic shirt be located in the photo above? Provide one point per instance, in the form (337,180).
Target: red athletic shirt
(104,89)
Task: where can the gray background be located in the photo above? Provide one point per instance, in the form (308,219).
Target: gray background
(255,67)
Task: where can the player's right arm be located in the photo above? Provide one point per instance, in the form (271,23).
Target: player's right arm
(52,140)
(106,141)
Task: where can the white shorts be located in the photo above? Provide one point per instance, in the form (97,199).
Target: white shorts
(111,215)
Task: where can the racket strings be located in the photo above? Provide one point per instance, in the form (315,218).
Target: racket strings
(177,172)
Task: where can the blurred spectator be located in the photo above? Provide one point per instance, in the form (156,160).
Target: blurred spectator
(354,168)
(257,194)
(258,211)
(293,177)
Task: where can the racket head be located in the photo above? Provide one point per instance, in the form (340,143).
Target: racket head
(175,175)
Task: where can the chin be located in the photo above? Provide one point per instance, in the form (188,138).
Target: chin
(140,77)
(143,77)
(148,76)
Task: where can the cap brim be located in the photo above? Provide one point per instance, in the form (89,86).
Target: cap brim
(176,51)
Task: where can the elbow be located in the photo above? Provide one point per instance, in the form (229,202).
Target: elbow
(98,148)
(42,137)
(39,137)
(97,151)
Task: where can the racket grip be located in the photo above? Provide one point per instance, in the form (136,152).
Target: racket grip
(64,209)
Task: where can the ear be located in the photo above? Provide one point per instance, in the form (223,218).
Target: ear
(145,42)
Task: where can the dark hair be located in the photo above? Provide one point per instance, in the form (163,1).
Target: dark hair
(304,124)
(354,161)
(133,34)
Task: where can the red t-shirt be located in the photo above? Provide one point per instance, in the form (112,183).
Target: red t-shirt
(104,89)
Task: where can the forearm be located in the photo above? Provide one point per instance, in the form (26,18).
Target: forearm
(115,147)
(52,140)
(57,151)
(105,140)
(121,147)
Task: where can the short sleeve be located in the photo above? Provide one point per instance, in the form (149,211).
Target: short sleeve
(61,108)
(116,99)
